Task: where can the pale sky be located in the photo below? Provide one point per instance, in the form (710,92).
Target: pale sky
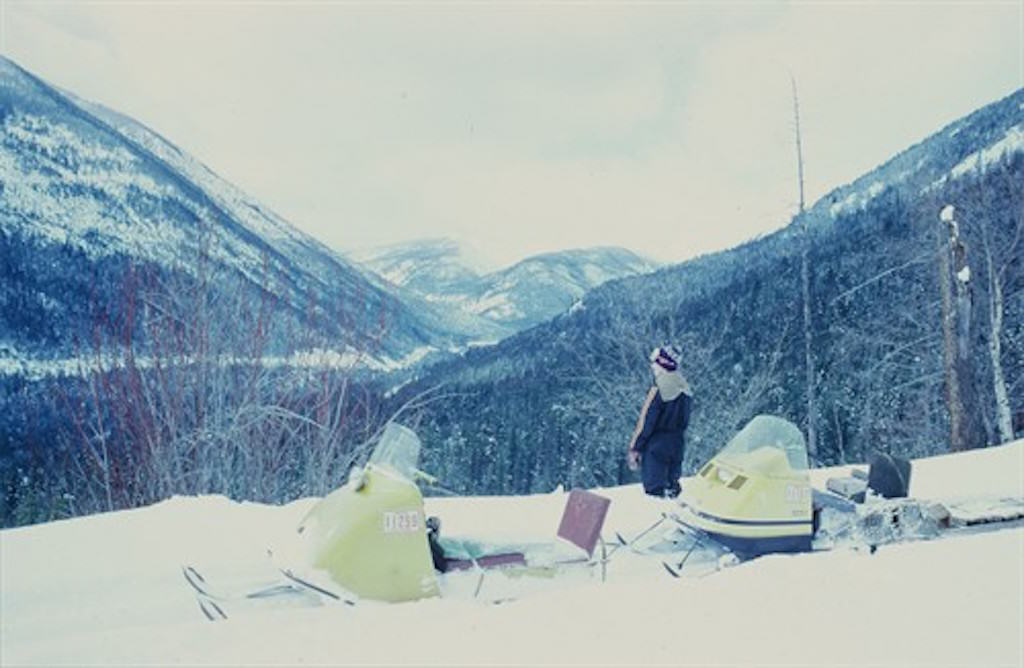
(518,128)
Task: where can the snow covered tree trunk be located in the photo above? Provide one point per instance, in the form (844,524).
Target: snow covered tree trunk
(954,284)
(1004,420)
(996,276)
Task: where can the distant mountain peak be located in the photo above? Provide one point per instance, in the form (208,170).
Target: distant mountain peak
(526,293)
(432,249)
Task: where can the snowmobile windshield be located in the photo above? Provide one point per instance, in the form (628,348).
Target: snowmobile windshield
(398,450)
(767,431)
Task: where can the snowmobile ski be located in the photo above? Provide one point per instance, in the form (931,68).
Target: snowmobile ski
(210,609)
(621,542)
(677,569)
(316,588)
(196,580)
(204,598)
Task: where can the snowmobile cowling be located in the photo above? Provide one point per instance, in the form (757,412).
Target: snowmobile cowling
(754,496)
(369,535)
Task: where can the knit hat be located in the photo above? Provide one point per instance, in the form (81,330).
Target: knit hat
(667,357)
(667,375)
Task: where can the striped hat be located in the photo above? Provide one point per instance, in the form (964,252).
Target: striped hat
(667,357)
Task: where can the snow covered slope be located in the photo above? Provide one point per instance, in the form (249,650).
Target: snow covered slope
(88,194)
(442,273)
(108,590)
(975,142)
(542,286)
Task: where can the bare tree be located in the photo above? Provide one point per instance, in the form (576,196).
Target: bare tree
(998,260)
(195,383)
(805,284)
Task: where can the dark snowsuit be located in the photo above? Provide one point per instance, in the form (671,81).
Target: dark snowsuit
(659,440)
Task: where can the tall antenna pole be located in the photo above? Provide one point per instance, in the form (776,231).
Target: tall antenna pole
(805,276)
(799,145)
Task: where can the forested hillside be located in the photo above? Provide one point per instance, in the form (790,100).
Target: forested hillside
(557,404)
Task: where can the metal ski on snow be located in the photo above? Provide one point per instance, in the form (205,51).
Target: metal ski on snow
(212,602)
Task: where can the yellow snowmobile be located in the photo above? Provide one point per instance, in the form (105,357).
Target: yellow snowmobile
(370,535)
(754,496)
(370,540)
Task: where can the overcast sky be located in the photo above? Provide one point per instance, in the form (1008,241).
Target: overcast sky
(520,128)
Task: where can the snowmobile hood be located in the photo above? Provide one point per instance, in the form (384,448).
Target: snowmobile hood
(369,535)
(755,494)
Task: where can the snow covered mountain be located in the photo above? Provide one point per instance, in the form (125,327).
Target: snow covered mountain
(427,267)
(509,300)
(967,146)
(90,196)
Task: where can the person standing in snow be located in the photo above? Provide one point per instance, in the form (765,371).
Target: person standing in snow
(657,444)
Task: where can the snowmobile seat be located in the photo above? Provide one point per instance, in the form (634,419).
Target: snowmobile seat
(580,526)
(848,487)
(488,561)
(821,499)
(889,476)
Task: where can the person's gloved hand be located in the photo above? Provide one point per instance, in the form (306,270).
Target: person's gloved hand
(633,460)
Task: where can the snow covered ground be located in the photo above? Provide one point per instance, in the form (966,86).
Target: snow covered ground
(108,590)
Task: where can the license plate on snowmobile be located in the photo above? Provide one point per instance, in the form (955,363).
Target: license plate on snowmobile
(407,521)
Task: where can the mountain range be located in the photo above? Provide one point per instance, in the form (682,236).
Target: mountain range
(500,302)
(95,204)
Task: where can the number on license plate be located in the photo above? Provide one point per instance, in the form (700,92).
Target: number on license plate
(405,521)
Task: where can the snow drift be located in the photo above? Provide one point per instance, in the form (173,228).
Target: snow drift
(107,590)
